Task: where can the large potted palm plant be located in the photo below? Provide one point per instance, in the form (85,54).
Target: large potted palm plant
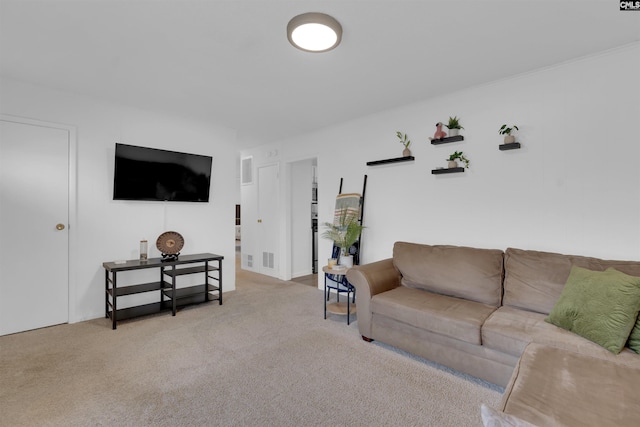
(344,234)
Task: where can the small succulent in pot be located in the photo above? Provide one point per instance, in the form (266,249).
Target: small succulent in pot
(454,126)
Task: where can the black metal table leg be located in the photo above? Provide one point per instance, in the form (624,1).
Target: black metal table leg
(173,291)
(114,308)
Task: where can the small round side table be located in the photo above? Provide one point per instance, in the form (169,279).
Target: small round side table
(338,307)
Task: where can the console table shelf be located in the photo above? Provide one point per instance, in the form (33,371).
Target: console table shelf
(182,293)
(142,310)
(170,295)
(137,289)
(190,270)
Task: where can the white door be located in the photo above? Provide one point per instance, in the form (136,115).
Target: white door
(268,222)
(34,212)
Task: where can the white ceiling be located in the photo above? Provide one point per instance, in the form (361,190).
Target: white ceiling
(229,61)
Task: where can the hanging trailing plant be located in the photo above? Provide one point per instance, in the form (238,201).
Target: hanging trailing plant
(458,155)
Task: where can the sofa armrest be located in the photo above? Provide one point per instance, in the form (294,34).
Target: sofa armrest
(369,280)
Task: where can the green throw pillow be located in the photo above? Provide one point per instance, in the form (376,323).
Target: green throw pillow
(601,306)
(634,338)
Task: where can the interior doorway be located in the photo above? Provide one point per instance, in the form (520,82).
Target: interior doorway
(304,221)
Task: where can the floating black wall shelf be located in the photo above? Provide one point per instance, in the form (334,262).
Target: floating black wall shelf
(512,146)
(396,160)
(447,139)
(447,170)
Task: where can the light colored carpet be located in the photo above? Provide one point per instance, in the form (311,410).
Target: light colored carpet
(266,357)
(309,280)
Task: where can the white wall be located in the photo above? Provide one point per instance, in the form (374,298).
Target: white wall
(574,187)
(108,230)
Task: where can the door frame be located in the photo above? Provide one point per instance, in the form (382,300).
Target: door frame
(72,314)
(288,214)
(287,203)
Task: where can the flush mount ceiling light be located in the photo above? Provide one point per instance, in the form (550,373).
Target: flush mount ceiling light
(314,32)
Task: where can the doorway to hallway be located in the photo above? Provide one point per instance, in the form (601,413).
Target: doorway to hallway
(303,199)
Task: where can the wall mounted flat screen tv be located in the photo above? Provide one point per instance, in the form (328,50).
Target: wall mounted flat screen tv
(151,174)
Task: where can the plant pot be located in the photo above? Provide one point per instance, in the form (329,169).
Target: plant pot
(454,132)
(346,260)
(509,139)
(452,164)
(406,152)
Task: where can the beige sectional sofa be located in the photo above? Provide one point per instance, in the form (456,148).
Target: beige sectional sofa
(482,311)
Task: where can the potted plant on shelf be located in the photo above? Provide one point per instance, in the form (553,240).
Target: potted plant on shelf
(457,155)
(454,126)
(344,235)
(506,131)
(404,141)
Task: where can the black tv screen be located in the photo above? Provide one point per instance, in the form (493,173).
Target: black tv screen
(151,174)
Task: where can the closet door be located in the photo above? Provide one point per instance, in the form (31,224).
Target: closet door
(268,220)
(34,218)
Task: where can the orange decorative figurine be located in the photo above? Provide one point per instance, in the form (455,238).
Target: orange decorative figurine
(439,132)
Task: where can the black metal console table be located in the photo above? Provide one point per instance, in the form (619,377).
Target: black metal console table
(171,296)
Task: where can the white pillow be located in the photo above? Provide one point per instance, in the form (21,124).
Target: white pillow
(493,418)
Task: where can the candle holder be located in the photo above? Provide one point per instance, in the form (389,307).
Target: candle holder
(143,250)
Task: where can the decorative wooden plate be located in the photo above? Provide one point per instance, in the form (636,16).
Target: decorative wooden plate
(170,242)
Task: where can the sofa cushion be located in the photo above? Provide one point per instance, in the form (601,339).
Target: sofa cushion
(469,273)
(601,306)
(453,317)
(510,330)
(534,280)
(549,388)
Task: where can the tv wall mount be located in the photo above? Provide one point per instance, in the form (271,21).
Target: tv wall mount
(169,244)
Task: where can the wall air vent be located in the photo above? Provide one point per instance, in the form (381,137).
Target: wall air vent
(246,170)
(267,259)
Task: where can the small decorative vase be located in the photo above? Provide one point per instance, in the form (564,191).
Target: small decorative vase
(509,139)
(346,261)
(454,132)
(406,152)
(453,164)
